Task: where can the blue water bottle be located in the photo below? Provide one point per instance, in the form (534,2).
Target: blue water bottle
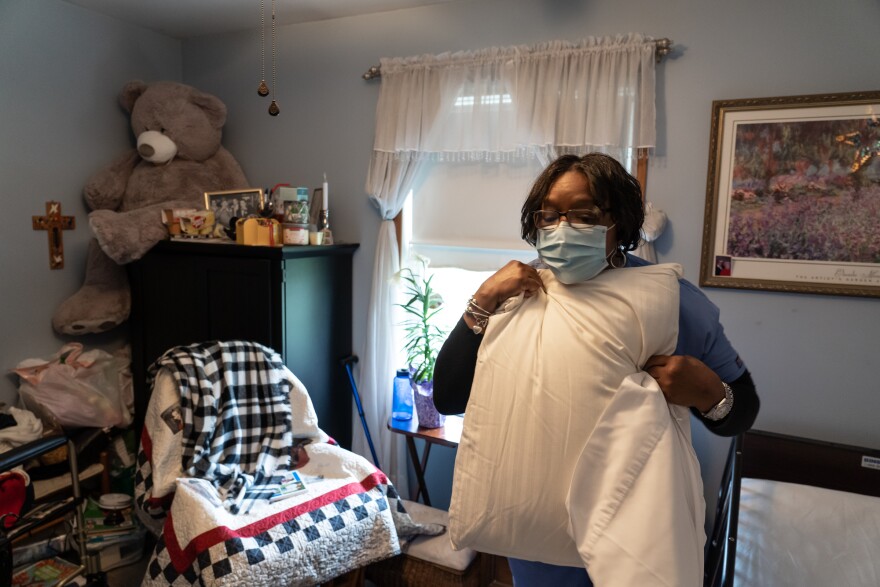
(402,406)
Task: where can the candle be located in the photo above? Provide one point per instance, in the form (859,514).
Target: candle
(326,191)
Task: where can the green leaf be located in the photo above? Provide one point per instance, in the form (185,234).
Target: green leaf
(422,338)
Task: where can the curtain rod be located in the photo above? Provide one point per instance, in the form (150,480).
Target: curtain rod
(663,48)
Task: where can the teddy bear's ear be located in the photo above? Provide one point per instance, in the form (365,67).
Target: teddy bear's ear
(130,93)
(213,107)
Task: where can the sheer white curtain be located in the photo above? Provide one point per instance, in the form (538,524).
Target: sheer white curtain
(388,181)
(495,104)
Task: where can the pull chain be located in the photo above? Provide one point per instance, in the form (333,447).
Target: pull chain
(273,107)
(263,89)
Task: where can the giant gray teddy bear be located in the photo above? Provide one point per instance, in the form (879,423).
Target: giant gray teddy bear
(178,158)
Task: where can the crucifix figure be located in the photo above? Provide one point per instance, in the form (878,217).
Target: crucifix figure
(54,223)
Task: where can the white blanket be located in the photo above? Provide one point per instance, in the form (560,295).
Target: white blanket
(547,370)
(343,521)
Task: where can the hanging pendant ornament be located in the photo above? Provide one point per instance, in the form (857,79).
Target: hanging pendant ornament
(263,89)
(273,107)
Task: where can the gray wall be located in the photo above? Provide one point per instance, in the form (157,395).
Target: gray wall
(810,355)
(61,69)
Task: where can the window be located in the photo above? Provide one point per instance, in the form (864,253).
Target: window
(486,100)
(465,218)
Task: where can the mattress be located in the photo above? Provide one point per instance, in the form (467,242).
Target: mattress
(799,535)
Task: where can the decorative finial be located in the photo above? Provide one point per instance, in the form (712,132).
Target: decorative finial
(663,47)
(373,72)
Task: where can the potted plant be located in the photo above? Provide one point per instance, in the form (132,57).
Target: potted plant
(423,339)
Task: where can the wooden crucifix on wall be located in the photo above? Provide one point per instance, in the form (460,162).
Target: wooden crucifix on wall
(55,223)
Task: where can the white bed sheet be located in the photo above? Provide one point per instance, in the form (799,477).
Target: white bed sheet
(806,536)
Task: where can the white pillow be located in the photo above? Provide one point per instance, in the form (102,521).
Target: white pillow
(546,370)
(435,549)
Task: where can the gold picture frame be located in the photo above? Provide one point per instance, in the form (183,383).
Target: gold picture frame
(793,195)
(230,204)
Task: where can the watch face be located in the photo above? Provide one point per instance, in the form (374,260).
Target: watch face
(722,409)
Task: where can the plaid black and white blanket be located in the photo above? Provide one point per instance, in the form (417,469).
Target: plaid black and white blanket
(235,407)
(218,434)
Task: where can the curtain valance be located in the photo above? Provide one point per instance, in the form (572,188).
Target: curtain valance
(496,103)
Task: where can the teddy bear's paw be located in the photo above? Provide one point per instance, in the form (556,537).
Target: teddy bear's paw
(114,238)
(126,237)
(100,197)
(101,304)
(92,310)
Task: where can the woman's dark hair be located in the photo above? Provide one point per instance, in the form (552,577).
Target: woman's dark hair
(613,189)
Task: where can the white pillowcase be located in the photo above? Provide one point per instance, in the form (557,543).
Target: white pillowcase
(546,370)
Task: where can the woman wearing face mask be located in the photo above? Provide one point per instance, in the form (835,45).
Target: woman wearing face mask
(583,215)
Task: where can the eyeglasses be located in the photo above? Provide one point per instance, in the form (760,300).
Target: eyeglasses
(577,218)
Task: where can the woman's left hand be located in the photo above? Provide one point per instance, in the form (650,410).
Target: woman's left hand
(686,381)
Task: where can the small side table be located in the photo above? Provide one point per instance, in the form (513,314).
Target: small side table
(448,435)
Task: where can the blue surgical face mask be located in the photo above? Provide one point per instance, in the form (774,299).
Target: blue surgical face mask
(574,255)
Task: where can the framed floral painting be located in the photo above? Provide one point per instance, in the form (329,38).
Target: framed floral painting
(793,195)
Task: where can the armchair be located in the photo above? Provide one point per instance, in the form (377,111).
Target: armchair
(226,421)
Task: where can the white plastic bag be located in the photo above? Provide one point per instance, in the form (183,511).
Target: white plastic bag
(79,389)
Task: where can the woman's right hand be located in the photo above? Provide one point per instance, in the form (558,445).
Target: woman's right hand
(511,280)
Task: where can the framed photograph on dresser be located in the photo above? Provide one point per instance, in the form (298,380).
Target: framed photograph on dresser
(234,204)
(793,195)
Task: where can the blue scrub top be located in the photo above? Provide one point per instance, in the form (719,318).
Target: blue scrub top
(700,333)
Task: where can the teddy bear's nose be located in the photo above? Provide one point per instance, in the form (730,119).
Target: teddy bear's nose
(155,147)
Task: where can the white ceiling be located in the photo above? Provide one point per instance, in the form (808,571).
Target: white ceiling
(192,18)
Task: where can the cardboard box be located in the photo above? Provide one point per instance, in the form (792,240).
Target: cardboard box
(260,232)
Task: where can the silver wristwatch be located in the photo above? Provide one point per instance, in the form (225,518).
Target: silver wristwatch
(722,408)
